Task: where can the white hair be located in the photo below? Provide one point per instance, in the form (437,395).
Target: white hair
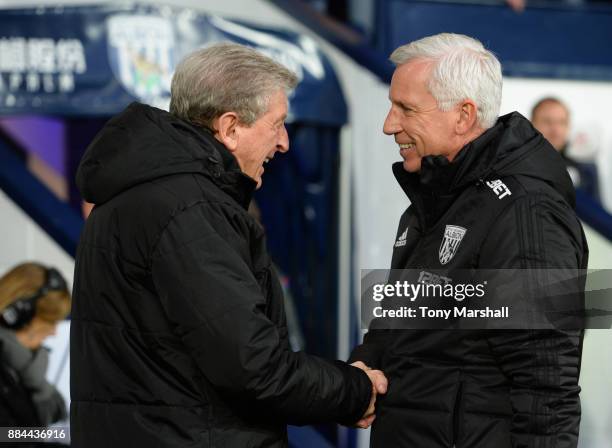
(226,77)
(463,69)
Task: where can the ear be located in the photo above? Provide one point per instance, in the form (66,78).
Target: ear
(225,127)
(467,119)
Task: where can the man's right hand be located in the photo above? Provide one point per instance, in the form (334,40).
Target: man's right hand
(379,386)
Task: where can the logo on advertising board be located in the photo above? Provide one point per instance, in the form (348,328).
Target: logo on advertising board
(141,55)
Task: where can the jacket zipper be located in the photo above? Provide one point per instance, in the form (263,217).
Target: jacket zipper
(457,409)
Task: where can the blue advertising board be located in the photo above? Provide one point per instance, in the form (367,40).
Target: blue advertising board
(81,61)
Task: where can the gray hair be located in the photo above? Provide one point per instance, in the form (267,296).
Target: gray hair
(226,77)
(463,69)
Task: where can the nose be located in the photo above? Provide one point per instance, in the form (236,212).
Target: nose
(283,141)
(391,125)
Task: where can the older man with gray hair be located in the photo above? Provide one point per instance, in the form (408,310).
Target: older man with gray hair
(178,335)
(485,193)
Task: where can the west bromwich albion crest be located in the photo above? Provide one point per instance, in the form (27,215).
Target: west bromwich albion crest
(450,243)
(141,51)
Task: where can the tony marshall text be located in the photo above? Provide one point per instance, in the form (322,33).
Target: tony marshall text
(456,312)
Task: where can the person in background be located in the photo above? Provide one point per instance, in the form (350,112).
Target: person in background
(33,299)
(517,5)
(551,117)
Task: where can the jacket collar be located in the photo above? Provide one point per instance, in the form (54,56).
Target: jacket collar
(439,182)
(144,143)
(222,168)
(511,147)
(433,189)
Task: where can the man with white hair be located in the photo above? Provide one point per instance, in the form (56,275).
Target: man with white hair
(179,335)
(485,193)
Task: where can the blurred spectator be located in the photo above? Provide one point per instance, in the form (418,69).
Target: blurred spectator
(517,5)
(33,299)
(551,117)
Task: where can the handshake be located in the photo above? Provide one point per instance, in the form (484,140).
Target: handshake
(379,386)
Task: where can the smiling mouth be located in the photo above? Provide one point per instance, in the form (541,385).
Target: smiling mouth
(406,149)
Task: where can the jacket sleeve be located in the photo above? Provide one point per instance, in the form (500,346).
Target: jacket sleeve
(371,351)
(218,310)
(543,366)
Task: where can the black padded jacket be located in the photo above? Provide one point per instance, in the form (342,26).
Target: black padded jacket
(510,193)
(178,335)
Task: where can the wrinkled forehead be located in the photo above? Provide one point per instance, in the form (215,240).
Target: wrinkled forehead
(276,107)
(411,79)
(279,102)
